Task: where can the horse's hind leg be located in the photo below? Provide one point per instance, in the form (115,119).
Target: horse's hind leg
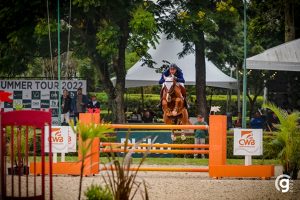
(167,120)
(185,117)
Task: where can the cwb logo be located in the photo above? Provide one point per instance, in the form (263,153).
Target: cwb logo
(56,136)
(246,138)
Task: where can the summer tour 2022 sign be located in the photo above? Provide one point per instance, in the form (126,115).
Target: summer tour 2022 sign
(39,94)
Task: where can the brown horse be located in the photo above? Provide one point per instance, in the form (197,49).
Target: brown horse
(173,104)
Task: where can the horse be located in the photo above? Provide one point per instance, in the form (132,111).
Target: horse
(173,106)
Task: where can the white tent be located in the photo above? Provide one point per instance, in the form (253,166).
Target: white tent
(139,75)
(285,57)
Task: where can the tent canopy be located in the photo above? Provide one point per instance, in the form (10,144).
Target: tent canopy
(285,57)
(168,50)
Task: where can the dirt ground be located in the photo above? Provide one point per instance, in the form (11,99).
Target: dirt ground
(185,186)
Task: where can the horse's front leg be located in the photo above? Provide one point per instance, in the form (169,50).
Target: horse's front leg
(164,105)
(177,105)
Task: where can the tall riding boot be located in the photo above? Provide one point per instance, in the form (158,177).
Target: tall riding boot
(160,101)
(183,92)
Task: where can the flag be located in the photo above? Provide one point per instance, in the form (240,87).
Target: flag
(4,96)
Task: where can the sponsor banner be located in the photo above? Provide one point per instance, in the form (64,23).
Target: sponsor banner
(63,139)
(45,103)
(39,85)
(17,94)
(59,138)
(35,104)
(248,142)
(163,137)
(8,105)
(38,94)
(27,94)
(72,140)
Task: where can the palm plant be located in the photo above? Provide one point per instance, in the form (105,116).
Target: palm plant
(286,145)
(87,133)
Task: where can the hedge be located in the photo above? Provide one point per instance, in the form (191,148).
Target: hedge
(133,102)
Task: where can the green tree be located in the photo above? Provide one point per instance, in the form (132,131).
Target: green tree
(17,22)
(106,29)
(191,22)
(265,17)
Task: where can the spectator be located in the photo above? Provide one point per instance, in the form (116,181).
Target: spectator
(94,103)
(257,122)
(271,120)
(200,135)
(147,117)
(238,121)
(79,104)
(65,108)
(136,115)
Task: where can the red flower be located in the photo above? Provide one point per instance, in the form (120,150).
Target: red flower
(4,96)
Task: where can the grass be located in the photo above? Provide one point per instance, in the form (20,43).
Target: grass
(184,161)
(176,161)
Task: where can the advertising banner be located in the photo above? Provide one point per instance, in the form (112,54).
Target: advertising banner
(39,94)
(248,142)
(63,139)
(163,137)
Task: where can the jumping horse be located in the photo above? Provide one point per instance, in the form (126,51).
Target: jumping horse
(173,105)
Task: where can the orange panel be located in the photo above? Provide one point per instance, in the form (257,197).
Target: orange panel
(160,127)
(263,171)
(71,168)
(164,169)
(217,139)
(92,160)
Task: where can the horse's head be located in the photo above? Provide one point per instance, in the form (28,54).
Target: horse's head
(169,82)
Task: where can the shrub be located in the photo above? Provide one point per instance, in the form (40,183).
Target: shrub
(133,101)
(96,192)
(286,145)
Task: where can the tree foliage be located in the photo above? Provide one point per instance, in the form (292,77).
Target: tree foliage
(198,24)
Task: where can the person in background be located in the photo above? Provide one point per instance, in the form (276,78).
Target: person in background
(272,120)
(200,135)
(238,121)
(257,122)
(79,104)
(147,117)
(65,108)
(94,103)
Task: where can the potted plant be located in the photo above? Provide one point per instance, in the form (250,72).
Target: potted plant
(87,133)
(286,145)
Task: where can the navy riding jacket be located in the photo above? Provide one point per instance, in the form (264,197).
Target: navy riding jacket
(178,75)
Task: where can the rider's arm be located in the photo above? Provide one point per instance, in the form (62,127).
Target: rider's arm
(179,77)
(162,79)
(164,74)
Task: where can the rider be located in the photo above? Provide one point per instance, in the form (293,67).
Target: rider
(176,72)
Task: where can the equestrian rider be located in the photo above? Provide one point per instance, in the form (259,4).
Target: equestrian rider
(176,72)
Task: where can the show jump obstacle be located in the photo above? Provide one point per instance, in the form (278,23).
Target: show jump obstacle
(216,149)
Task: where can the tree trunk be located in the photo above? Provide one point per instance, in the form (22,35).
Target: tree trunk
(200,68)
(289,20)
(115,93)
(119,68)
